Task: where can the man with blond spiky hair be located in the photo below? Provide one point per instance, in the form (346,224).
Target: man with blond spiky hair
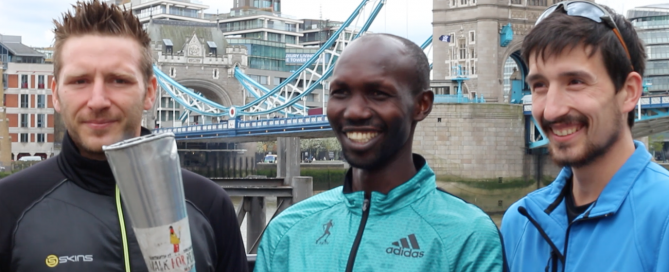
(65,214)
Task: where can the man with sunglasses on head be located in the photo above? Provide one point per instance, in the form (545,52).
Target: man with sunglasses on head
(607,210)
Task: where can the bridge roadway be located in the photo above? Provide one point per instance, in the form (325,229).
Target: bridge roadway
(236,130)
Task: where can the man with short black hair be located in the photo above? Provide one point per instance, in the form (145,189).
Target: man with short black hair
(606,210)
(389,215)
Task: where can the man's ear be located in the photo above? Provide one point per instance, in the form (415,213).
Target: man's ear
(54,95)
(424,102)
(151,89)
(631,92)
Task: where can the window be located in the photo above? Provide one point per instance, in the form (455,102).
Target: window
(40,137)
(463,49)
(542,3)
(24,81)
(41,101)
(173,72)
(453,3)
(473,67)
(25,98)
(41,121)
(24,137)
(263,80)
(452,39)
(24,120)
(463,2)
(471,37)
(40,82)
(516,2)
(216,73)
(276,80)
(472,53)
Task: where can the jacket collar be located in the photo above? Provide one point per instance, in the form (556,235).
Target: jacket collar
(92,175)
(615,192)
(410,191)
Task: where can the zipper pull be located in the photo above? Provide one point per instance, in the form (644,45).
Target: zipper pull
(365,204)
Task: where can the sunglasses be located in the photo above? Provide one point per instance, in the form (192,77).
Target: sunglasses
(588,10)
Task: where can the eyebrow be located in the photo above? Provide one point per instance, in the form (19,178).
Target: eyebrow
(580,74)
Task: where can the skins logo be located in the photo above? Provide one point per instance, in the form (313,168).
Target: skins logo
(53,260)
(402,248)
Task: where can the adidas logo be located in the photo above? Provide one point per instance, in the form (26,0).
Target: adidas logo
(406,247)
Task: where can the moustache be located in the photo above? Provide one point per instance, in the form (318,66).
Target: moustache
(566,119)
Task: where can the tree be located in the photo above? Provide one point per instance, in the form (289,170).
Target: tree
(264,147)
(656,144)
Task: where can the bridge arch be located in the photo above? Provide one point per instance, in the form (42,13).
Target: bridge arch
(211,90)
(513,52)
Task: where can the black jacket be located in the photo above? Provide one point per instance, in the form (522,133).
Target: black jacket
(61,215)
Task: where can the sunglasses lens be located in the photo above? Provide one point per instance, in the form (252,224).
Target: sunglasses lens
(586,10)
(545,14)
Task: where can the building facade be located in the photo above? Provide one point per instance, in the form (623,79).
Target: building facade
(179,10)
(472,45)
(29,109)
(197,56)
(266,5)
(652,26)
(5,141)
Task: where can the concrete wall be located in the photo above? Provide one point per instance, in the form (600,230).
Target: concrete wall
(477,141)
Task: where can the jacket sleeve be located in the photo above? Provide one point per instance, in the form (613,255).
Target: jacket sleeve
(265,250)
(482,249)
(663,253)
(231,253)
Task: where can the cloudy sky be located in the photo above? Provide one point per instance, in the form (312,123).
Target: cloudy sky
(32,19)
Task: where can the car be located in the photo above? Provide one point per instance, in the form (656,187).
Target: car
(270,159)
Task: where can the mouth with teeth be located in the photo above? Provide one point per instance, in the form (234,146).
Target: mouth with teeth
(566,131)
(361,136)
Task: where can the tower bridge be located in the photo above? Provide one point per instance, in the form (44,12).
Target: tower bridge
(209,93)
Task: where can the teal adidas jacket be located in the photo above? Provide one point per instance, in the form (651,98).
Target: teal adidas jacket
(415,227)
(625,229)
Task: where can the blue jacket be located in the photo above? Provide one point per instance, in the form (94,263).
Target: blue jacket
(415,227)
(625,229)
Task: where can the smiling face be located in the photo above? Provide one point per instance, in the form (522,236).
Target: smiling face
(371,106)
(100,91)
(575,101)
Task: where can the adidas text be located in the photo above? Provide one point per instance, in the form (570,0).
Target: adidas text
(405,252)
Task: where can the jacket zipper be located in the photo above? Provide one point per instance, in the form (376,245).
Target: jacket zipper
(566,239)
(358,237)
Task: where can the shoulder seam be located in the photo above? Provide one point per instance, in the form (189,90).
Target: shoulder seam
(18,221)
(451,268)
(665,232)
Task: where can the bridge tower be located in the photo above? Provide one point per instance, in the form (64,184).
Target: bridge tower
(480,35)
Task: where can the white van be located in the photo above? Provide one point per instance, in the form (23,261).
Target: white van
(30,158)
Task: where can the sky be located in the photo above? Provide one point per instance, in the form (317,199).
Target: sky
(33,19)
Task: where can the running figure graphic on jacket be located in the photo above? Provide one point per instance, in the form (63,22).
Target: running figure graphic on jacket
(326,234)
(174,240)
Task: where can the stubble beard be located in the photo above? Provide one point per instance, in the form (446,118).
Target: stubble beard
(590,153)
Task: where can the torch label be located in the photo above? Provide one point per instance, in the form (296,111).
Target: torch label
(167,248)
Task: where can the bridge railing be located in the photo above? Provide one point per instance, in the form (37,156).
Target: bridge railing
(454,98)
(237,126)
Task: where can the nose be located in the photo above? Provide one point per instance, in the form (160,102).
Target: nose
(556,103)
(357,109)
(98,99)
